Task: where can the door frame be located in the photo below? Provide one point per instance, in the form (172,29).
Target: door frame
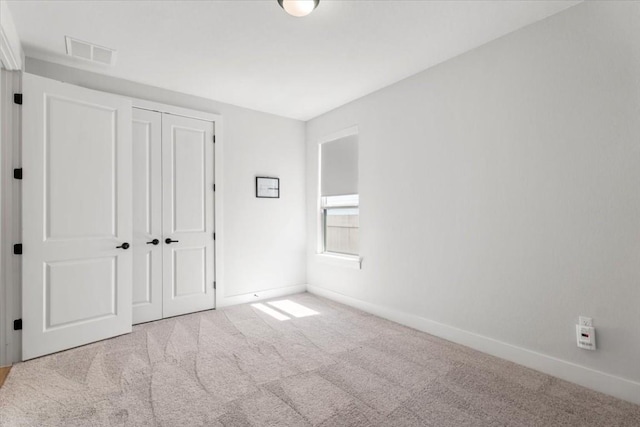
(11,218)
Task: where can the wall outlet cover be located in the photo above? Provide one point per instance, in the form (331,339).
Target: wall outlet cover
(585,321)
(586,337)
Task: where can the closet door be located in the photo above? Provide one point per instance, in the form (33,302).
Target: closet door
(147,215)
(77,215)
(187,220)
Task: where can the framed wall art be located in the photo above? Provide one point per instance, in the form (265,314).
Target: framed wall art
(268,188)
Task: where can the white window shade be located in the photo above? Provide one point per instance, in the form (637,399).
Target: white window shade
(339,167)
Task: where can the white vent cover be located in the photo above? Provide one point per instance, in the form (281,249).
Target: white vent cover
(90,52)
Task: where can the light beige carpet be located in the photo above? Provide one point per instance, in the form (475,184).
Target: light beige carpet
(240,366)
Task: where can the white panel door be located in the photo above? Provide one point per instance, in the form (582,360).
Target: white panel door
(147,215)
(187,215)
(76,205)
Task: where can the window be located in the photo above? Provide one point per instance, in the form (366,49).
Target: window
(341,224)
(339,197)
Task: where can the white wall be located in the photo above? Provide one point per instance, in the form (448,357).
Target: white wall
(264,239)
(515,171)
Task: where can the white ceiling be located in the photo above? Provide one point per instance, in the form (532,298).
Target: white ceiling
(252,54)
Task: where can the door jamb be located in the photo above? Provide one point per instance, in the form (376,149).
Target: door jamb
(11,219)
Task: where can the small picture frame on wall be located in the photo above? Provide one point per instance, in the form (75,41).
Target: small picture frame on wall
(268,188)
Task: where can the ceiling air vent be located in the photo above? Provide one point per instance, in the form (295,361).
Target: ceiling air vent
(90,52)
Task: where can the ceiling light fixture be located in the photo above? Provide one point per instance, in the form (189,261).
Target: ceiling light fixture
(298,8)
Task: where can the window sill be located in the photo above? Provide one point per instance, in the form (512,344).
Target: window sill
(341,260)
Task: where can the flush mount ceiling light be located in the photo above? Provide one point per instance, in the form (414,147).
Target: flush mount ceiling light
(298,8)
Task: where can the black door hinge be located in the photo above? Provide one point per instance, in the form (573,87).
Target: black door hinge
(17,98)
(214,187)
(214,285)
(214,139)
(17,249)
(17,173)
(214,236)
(17,325)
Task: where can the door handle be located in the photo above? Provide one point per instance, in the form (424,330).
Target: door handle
(153,242)
(125,245)
(168,241)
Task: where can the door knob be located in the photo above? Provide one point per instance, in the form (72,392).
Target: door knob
(168,241)
(153,242)
(125,245)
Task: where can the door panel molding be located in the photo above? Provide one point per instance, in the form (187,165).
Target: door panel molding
(101,301)
(188,184)
(67,199)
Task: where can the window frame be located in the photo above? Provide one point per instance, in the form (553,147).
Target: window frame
(333,258)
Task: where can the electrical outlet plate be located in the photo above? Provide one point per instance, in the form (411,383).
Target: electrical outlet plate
(586,337)
(585,321)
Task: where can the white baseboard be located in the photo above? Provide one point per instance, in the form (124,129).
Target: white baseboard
(586,377)
(258,296)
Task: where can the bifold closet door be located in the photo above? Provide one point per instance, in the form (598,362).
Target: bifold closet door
(187,215)
(147,216)
(76,216)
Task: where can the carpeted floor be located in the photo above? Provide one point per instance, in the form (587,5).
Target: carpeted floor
(332,366)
